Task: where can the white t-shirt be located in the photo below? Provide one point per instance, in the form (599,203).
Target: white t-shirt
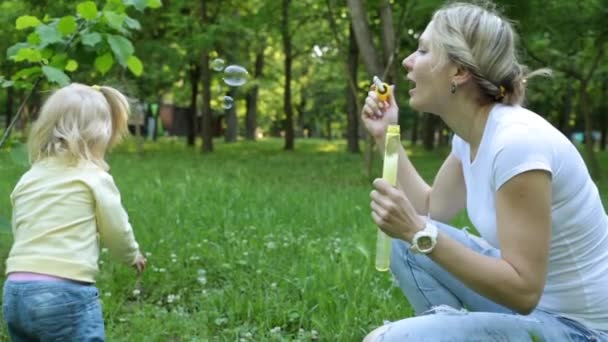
(516,140)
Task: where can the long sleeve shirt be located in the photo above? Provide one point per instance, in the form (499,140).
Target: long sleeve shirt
(61,214)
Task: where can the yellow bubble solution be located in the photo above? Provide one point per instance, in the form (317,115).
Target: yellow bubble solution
(389,173)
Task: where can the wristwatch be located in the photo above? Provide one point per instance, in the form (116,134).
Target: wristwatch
(425,240)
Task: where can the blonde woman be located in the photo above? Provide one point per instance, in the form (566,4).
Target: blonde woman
(539,272)
(62,208)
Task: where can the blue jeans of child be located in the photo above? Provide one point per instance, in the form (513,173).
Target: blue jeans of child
(52,311)
(449,311)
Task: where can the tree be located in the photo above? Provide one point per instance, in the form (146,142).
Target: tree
(49,50)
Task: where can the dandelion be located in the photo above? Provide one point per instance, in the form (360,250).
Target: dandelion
(136,292)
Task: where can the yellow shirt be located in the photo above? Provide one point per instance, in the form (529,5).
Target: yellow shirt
(60,214)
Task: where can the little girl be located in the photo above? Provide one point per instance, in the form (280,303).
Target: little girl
(63,207)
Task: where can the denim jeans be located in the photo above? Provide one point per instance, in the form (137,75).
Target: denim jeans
(449,311)
(52,311)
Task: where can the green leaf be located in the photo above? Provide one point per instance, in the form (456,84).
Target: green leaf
(104,62)
(13,50)
(140,5)
(91,39)
(132,23)
(48,35)
(34,38)
(135,65)
(26,21)
(121,47)
(55,75)
(59,60)
(28,54)
(67,25)
(71,66)
(115,20)
(155,3)
(26,73)
(87,10)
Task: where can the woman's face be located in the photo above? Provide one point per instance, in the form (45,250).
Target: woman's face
(431,81)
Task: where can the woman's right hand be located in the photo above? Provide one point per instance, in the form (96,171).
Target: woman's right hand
(377,115)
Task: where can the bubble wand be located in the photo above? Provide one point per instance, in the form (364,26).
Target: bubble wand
(381,89)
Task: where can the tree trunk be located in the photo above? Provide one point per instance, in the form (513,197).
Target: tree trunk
(563,123)
(415,128)
(195,76)
(594,167)
(287,108)
(604,116)
(352,112)
(364,38)
(9,105)
(231,121)
(207,120)
(428,139)
(388,39)
(252,98)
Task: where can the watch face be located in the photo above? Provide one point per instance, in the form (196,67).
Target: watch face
(425,242)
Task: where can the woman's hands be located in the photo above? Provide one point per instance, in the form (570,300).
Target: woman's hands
(393,212)
(377,115)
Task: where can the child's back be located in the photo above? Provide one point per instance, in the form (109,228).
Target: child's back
(63,207)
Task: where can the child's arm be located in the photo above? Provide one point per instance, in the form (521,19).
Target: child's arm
(113,223)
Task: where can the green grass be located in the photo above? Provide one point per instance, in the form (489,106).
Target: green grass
(248,243)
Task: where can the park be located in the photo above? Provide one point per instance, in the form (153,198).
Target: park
(247,172)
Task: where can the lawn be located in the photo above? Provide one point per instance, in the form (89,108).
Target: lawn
(248,243)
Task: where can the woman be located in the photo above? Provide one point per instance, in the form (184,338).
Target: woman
(540,270)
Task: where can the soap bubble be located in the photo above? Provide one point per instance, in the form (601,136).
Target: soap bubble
(235,75)
(228,102)
(217,64)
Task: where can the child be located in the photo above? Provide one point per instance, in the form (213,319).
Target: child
(62,207)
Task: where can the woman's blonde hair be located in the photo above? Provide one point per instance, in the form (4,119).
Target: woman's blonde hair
(479,39)
(78,122)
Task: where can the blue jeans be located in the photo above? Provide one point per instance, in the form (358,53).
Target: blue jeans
(450,311)
(52,311)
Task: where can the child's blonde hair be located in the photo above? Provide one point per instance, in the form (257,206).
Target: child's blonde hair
(79,122)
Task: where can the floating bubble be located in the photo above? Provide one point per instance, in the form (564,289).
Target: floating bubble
(235,75)
(19,155)
(228,102)
(217,64)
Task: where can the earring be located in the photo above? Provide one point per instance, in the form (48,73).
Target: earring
(453,88)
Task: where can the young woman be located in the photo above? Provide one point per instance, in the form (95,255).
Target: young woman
(540,270)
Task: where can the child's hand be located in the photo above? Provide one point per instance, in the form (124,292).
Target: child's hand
(140,263)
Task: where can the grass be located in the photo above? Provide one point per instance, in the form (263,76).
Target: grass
(248,243)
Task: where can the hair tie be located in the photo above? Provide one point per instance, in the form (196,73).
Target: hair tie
(501,95)
(96,87)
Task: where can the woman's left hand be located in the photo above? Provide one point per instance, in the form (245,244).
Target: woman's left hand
(393,212)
